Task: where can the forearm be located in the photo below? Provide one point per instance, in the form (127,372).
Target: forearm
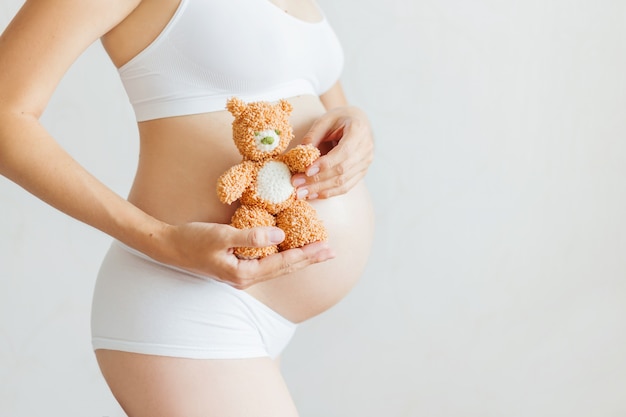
(33,160)
(335,97)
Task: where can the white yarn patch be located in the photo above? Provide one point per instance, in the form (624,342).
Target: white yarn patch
(274,182)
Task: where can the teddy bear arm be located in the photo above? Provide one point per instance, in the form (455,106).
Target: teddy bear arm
(300,157)
(232,183)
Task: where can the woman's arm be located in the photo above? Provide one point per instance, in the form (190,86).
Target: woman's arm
(347,131)
(36,49)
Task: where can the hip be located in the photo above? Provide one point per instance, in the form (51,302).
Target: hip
(143,306)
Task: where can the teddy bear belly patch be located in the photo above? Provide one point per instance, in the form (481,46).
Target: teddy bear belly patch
(274,182)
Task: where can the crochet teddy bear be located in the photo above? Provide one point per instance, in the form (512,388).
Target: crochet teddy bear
(262,181)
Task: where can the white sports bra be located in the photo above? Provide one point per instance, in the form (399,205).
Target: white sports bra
(212,50)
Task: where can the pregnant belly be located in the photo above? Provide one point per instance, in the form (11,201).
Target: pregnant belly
(180,161)
(309,292)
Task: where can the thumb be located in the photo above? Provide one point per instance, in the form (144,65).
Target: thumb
(258,237)
(317,132)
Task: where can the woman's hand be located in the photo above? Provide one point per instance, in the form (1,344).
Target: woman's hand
(207,249)
(344,136)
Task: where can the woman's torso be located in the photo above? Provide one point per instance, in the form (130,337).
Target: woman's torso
(181,158)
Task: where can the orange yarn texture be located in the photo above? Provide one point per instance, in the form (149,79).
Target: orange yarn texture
(261,182)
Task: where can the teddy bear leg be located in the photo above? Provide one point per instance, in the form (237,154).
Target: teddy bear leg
(301,225)
(247,217)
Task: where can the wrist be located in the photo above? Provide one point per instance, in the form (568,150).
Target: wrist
(156,241)
(147,235)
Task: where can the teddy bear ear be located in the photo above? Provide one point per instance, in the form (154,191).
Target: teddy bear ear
(285,106)
(236,106)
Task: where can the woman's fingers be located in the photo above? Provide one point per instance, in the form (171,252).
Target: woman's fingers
(347,132)
(221,263)
(207,249)
(251,272)
(341,168)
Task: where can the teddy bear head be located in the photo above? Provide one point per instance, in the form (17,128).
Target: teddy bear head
(261,130)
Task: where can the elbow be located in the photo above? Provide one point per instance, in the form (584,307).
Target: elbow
(15,108)
(11,115)
(14,125)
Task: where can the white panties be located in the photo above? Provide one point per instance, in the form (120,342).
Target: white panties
(142,306)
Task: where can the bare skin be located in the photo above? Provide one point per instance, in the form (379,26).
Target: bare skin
(172,213)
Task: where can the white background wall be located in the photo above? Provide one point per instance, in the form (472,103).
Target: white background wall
(497,285)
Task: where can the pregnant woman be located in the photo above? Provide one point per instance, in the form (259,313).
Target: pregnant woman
(181,326)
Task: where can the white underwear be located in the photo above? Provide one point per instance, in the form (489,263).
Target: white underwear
(142,306)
